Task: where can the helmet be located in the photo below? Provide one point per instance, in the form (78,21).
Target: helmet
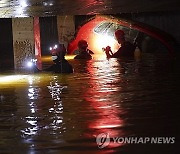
(82,44)
(119,34)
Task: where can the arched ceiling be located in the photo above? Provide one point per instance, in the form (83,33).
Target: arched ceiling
(26,8)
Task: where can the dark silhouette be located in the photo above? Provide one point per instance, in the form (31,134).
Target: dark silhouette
(83,51)
(126,50)
(61,65)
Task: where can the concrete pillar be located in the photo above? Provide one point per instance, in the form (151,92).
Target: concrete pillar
(66,29)
(23,41)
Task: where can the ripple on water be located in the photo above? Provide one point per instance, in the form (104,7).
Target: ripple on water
(61,113)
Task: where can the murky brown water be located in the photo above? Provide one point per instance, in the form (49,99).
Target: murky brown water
(51,113)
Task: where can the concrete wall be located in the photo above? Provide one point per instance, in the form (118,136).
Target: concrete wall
(66,29)
(23,41)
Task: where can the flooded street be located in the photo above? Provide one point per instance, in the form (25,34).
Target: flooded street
(63,113)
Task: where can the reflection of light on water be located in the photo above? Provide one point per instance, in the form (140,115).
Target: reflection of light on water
(55,90)
(11,78)
(31,90)
(33,128)
(68,57)
(43,109)
(33,93)
(101,98)
(107,106)
(30,79)
(21,79)
(49,58)
(57,109)
(31,121)
(109,126)
(32,107)
(58,121)
(32,110)
(17,79)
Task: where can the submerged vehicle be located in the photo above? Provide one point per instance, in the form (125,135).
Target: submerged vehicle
(99,33)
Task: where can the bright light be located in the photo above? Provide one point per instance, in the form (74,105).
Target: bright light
(50,4)
(50,48)
(102,41)
(30,79)
(23,3)
(45,3)
(109,126)
(69,57)
(29,64)
(11,78)
(55,47)
(34,60)
(49,58)
(20,10)
(21,79)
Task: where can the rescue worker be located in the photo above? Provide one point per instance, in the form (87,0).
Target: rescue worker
(126,50)
(61,65)
(83,51)
(57,49)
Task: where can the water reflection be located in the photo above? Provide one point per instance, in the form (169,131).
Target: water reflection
(7,79)
(8,118)
(101,97)
(44,120)
(31,119)
(64,113)
(55,89)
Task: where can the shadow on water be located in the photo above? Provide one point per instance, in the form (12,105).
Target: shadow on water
(51,113)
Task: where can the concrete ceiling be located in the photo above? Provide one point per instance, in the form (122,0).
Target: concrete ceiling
(26,8)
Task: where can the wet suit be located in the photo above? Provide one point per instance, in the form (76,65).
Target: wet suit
(126,50)
(83,55)
(60,67)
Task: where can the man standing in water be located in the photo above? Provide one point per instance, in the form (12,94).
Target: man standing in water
(61,65)
(83,51)
(127,49)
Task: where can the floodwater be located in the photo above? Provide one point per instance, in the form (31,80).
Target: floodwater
(55,113)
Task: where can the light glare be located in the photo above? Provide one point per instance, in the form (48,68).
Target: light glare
(104,41)
(29,64)
(55,47)
(10,78)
